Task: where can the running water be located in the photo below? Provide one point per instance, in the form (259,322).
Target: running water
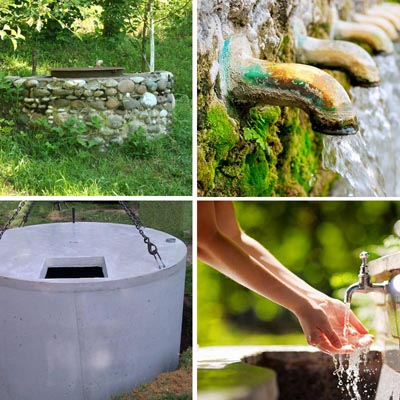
(347,367)
(367,161)
(348,156)
(390,87)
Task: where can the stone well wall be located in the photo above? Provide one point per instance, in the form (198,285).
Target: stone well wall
(122,104)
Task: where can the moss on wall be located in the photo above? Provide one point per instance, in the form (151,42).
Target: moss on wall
(275,153)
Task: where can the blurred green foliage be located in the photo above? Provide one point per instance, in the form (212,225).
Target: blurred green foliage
(318,240)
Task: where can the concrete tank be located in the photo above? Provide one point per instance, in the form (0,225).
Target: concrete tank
(85,311)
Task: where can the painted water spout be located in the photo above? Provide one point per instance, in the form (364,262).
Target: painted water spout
(347,56)
(246,79)
(364,284)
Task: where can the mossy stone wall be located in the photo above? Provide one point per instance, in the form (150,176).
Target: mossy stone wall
(263,150)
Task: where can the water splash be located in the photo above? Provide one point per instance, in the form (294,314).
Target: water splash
(376,131)
(347,367)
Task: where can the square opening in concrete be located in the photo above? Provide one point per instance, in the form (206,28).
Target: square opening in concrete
(74,268)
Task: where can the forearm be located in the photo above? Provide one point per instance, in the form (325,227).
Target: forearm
(225,255)
(261,254)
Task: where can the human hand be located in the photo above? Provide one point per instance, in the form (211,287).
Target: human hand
(323,324)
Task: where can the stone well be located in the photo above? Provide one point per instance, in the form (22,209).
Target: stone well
(120,105)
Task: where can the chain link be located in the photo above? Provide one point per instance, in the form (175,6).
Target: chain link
(151,247)
(8,223)
(27,213)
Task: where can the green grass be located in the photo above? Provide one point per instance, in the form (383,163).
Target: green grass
(160,167)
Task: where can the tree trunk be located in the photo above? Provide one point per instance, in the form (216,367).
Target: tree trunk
(147,22)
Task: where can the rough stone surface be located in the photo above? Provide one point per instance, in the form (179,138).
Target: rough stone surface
(122,105)
(126,86)
(149,100)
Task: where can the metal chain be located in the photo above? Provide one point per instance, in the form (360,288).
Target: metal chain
(26,215)
(151,247)
(8,223)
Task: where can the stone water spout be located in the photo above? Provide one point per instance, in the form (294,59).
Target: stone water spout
(364,284)
(246,79)
(389,11)
(338,54)
(371,35)
(380,21)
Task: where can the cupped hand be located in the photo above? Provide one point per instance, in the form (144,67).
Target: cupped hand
(323,324)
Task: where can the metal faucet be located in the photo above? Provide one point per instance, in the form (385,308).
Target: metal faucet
(364,284)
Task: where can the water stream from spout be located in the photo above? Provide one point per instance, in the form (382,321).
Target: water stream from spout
(367,161)
(347,367)
(348,156)
(390,87)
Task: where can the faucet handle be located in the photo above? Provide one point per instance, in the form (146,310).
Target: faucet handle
(364,265)
(364,256)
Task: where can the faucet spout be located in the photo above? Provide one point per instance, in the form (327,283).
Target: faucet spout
(347,56)
(249,80)
(369,34)
(364,284)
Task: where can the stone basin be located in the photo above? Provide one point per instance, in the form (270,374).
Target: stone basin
(275,373)
(385,267)
(88,72)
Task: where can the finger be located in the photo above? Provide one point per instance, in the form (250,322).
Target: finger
(366,340)
(333,337)
(357,324)
(326,346)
